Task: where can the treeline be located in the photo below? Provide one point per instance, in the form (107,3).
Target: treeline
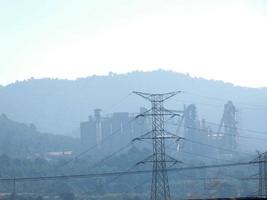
(25,141)
(92,188)
(23,153)
(197,183)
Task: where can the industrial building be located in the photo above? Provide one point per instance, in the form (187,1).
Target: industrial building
(202,135)
(122,126)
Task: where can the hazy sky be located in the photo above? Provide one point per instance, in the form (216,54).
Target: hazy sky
(224,40)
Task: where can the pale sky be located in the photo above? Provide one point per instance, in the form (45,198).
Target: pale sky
(223,40)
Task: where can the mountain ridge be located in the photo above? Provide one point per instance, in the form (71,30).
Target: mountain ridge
(58,106)
(110,74)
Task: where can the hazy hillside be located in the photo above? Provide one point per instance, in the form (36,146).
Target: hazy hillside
(21,140)
(58,106)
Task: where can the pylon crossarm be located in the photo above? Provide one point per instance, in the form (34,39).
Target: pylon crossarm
(145,136)
(136,139)
(174,136)
(161,137)
(143,94)
(144,114)
(169,95)
(167,133)
(172,112)
(171,159)
(163,161)
(177,111)
(256,162)
(146,160)
(168,159)
(165,96)
(258,157)
(161,114)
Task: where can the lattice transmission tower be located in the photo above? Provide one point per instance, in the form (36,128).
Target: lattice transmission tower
(159,187)
(262,158)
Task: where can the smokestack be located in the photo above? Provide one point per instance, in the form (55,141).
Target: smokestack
(97,114)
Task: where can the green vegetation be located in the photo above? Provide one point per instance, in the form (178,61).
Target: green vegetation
(24,141)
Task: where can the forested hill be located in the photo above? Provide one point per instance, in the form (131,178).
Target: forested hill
(21,140)
(58,106)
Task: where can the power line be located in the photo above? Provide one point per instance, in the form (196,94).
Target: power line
(227,134)
(203,156)
(209,145)
(106,138)
(209,157)
(199,155)
(223,100)
(241,129)
(117,177)
(219,148)
(111,155)
(123,173)
(95,145)
(130,121)
(117,103)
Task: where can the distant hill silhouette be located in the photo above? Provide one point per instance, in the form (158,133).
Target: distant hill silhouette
(21,140)
(58,106)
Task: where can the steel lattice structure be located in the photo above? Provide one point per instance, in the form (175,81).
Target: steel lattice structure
(262,174)
(159,187)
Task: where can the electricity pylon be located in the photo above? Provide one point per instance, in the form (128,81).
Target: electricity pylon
(159,187)
(262,158)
